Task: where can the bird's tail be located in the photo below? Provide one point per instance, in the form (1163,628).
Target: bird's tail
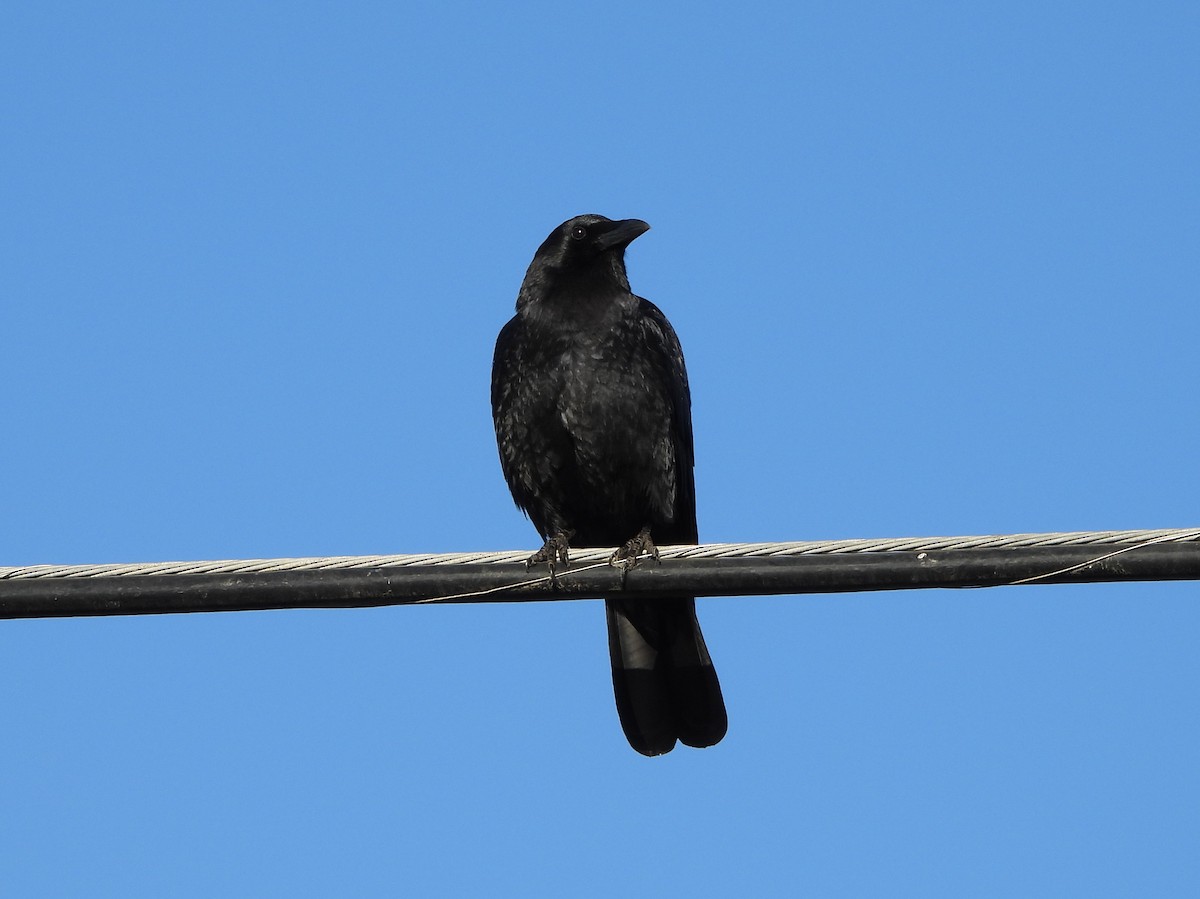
(664,680)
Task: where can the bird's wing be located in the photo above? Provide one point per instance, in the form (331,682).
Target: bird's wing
(505,381)
(502,363)
(661,339)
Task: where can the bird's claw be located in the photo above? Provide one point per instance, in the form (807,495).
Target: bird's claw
(556,549)
(627,555)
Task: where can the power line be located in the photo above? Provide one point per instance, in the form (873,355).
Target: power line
(732,569)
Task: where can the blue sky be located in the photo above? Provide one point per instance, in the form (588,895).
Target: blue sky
(934,270)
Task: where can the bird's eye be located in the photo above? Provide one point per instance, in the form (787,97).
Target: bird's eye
(579,232)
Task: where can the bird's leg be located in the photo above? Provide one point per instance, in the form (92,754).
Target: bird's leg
(626,556)
(554,550)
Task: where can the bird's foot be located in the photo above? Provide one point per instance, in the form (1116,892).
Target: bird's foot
(627,556)
(553,551)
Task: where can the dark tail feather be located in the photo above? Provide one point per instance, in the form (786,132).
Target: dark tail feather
(700,709)
(664,681)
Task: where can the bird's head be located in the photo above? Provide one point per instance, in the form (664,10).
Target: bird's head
(577,242)
(583,252)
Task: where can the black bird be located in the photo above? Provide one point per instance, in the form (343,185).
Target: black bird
(593,420)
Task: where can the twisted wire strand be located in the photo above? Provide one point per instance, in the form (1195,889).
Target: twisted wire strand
(1117,539)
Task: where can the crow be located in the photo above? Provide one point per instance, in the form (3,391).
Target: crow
(593,421)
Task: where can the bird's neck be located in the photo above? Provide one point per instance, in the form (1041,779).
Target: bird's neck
(589,299)
(575,311)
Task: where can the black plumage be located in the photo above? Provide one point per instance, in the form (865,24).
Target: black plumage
(593,420)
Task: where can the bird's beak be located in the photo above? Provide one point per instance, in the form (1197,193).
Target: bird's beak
(622,233)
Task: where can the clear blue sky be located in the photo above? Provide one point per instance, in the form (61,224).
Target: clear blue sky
(935,271)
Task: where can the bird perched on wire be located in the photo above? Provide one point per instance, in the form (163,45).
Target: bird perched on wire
(593,420)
